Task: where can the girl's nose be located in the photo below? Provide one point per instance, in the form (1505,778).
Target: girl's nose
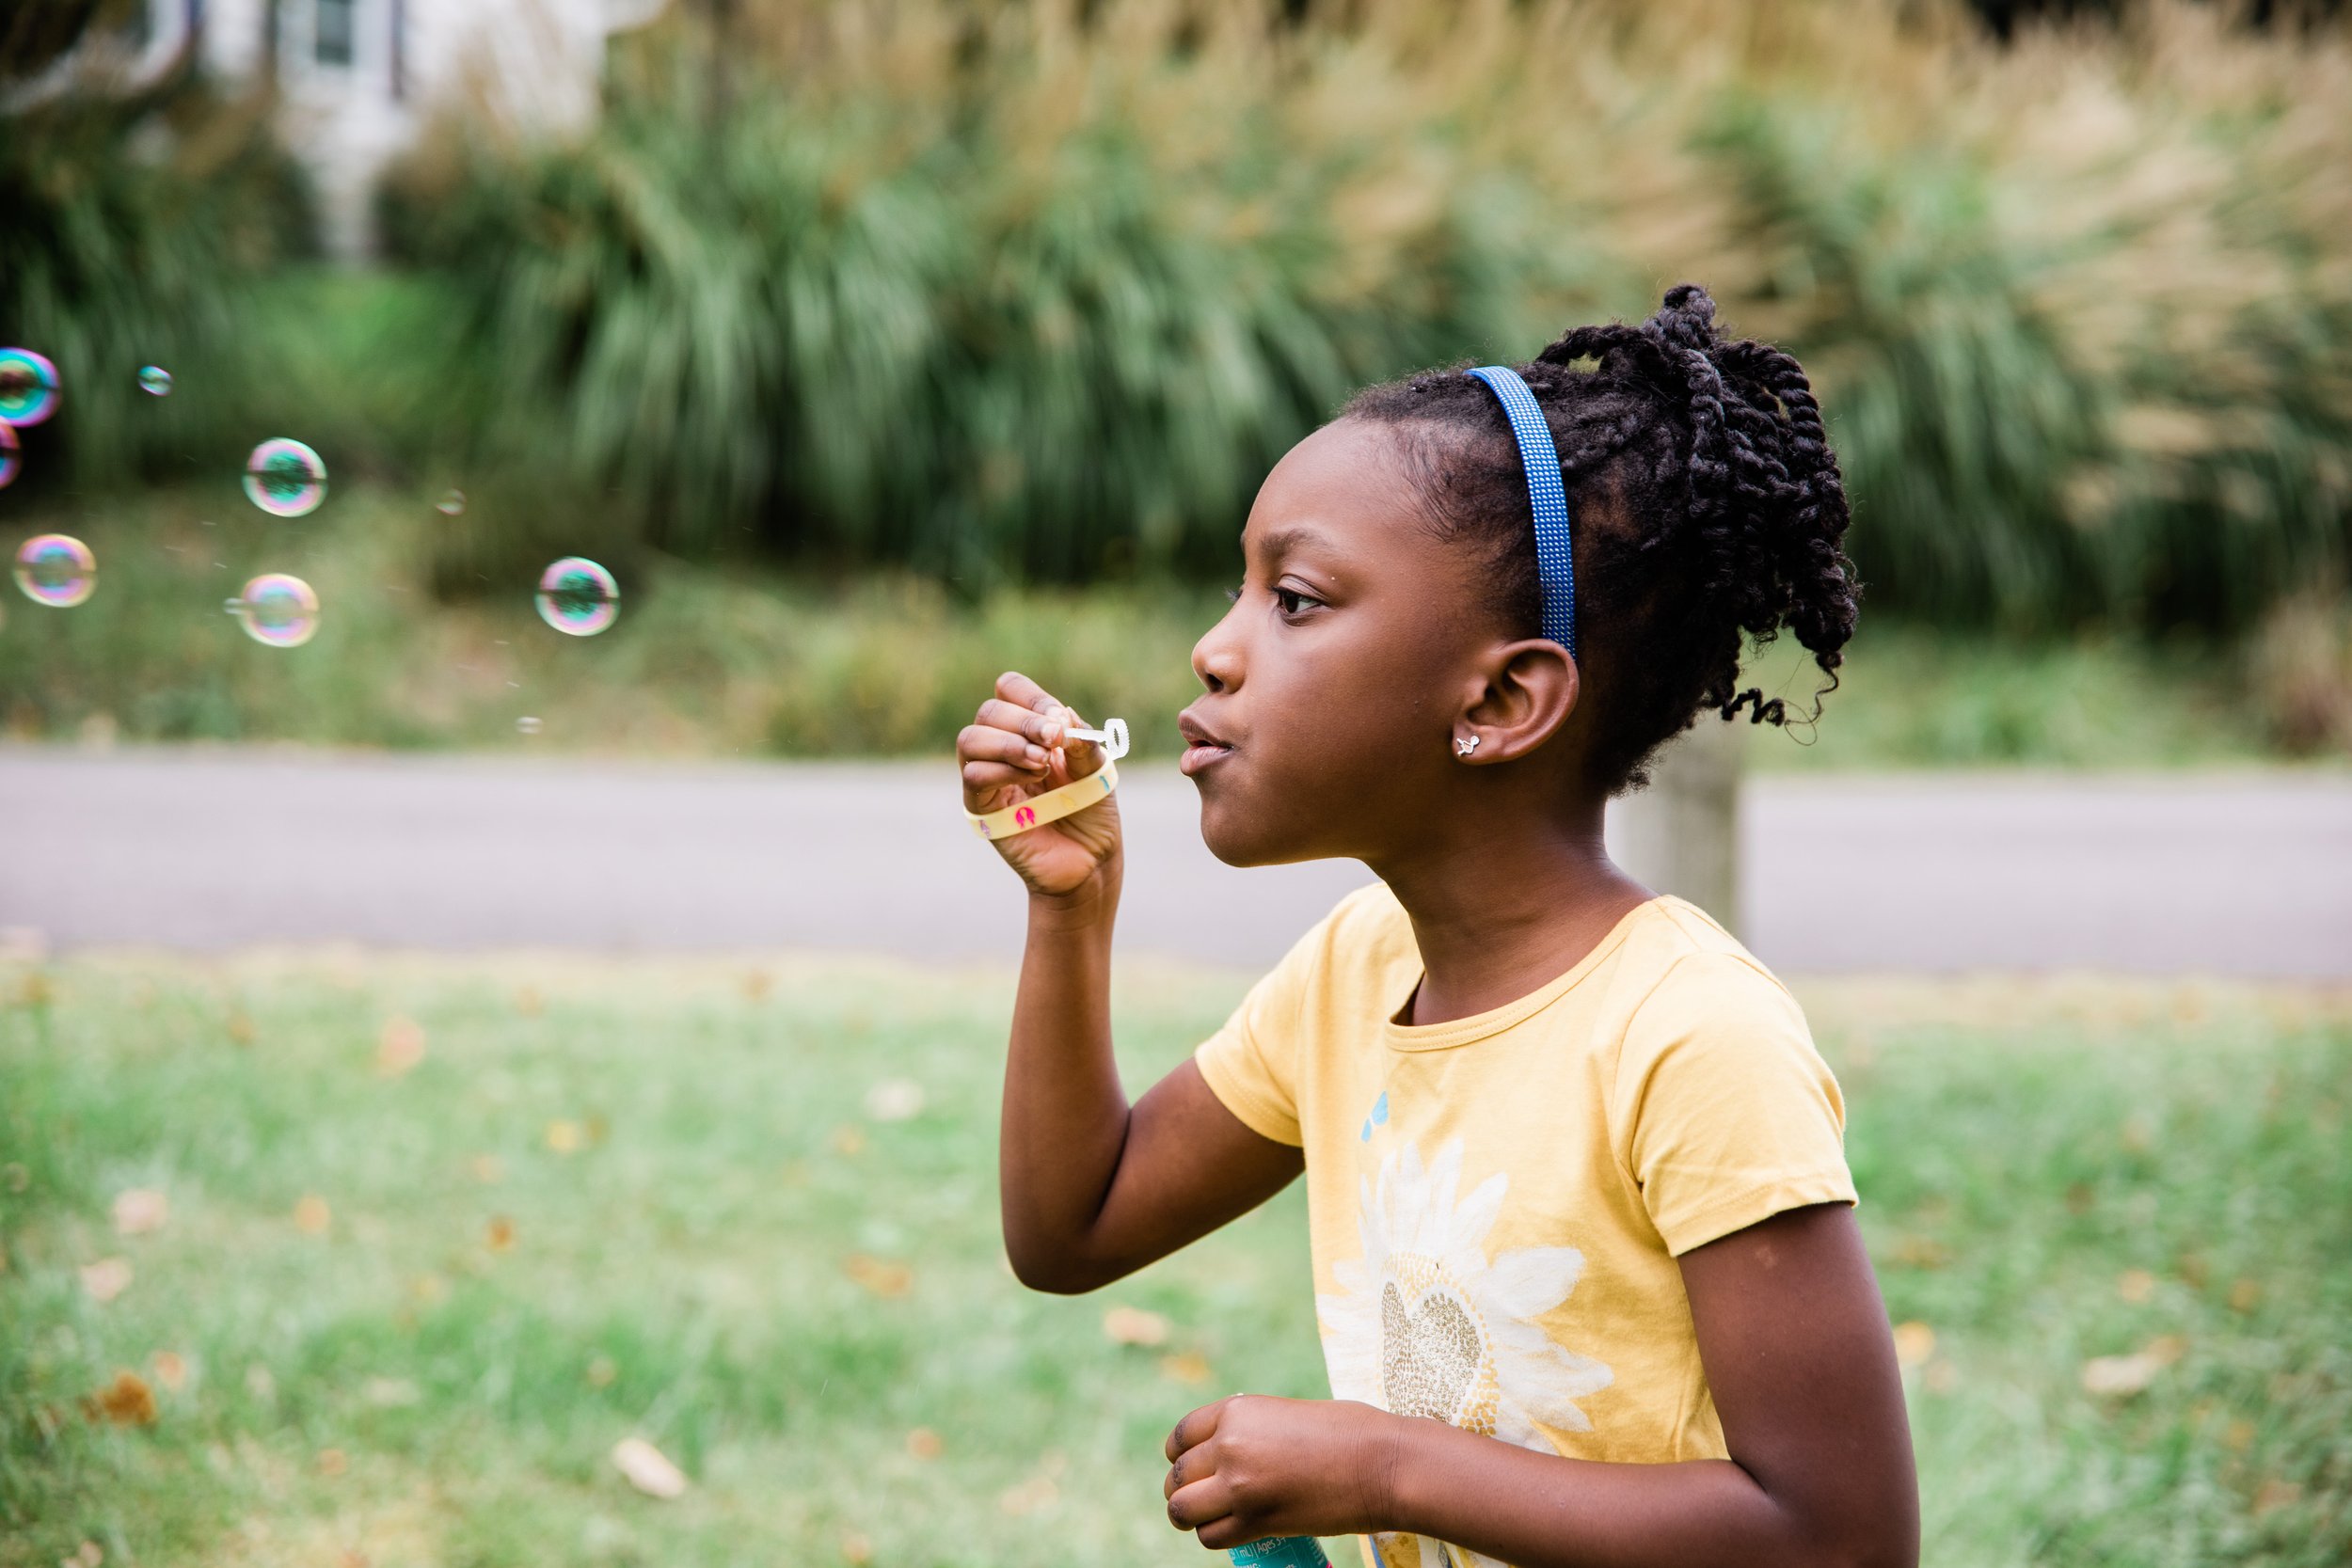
(1216,657)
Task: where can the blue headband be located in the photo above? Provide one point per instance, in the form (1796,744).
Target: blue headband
(1546,497)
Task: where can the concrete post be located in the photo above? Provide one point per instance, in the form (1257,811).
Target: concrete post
(1681,835)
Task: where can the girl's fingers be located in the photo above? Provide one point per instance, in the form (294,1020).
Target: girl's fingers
(1043,728)
(1203,1503)
(982,778)
(1023,692)
(983,743)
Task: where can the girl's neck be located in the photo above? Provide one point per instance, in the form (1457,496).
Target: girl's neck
(1498,914)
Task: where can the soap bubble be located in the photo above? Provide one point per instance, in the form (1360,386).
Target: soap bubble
(452,503)
(285,478)
(579,597)
(28,386)
(56,570)
(11,455)
(527,724)
(278,610)
(155,381)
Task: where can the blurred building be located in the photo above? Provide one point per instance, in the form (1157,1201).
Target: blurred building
(359,77)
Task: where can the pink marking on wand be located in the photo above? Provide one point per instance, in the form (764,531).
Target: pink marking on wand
(1025,816)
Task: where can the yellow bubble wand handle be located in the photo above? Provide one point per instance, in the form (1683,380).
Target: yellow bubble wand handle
(1052,806)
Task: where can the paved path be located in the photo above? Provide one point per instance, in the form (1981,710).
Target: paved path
(204,849)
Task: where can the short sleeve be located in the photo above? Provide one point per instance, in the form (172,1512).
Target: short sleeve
(1723,1112)
(1252,1062)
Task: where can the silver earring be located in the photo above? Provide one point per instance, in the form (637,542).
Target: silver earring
(1466,747)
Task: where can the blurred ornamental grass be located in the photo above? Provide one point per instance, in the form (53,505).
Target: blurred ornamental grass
(1040,290)
(135,219)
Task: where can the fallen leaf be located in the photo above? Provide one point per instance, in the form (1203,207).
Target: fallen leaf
(2244,1294)
(500,1234)
(311,1216)
(756,984)
(2239,1436)
(398,1046)
(856,1548)
(430,1288)
(528,1000)
(171,1370)
(1914,1343)
(1033,1496)
(240,1027)
(2193,1271)
(2124,1375)
(126,1402)
(333,1462)
(348,1558)
(894,1100)
(923,1443)
(563,1137)
(848,1138)
(140,1211)
(1132,1325)
(488,1170)
(1188,1366)
(2275,1493)
(601,1372)
(89,1554)
(106,1278)
(598,1130)
(1921,1252)
(391,1392)
(879,1276)
(648,1469)
(2135,1285)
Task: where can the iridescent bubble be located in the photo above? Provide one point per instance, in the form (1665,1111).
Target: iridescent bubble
(579,597)
(285,477)
(56,569)
(527,724)
(453,503)
(11,455)
(155,381)
(278,610)
(28,386)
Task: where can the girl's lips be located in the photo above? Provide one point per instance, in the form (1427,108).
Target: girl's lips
(1196,757)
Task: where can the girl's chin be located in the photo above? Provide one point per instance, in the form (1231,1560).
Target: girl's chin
(1238,841)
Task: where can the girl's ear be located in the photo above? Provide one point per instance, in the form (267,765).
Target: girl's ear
(1528,692)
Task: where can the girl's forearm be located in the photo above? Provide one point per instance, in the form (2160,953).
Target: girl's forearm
(1541,1511)
(1065,1114)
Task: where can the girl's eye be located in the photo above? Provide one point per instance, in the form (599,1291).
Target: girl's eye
(1291,599)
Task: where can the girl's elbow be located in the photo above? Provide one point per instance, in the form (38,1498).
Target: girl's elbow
(1053,1272)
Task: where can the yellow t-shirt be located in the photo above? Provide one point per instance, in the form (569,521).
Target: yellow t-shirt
(1496,1203)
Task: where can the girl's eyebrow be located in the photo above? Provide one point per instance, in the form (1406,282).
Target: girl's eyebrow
(1281,541)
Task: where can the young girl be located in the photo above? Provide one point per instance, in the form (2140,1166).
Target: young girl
(1587,1276)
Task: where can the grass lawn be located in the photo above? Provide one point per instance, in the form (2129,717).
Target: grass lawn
(403,1306)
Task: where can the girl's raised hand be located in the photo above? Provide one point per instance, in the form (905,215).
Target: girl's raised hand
(1016,749)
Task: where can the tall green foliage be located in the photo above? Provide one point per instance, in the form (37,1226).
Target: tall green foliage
(132,227)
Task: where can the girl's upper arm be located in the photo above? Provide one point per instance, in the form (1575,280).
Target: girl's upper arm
(1189,1165)
(1794,1338)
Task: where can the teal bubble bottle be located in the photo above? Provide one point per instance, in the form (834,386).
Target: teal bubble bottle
(1281,1551)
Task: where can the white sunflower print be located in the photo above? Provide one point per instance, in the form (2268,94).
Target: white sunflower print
(1424,1323)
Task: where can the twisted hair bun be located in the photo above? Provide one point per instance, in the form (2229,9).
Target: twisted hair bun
(1706,505)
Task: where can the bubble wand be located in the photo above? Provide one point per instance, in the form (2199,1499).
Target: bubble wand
(1075,796)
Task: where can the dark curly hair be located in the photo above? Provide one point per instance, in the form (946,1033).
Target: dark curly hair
(1706,503)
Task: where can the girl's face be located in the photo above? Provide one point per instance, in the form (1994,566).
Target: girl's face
(1337,680)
